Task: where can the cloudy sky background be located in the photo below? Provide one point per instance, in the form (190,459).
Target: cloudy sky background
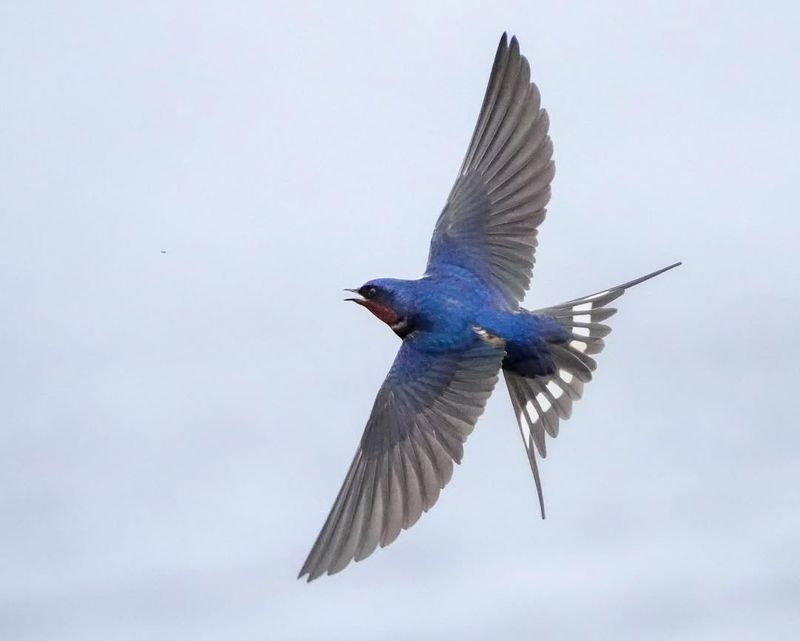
(174,426)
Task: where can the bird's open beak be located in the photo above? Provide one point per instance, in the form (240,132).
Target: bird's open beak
(358,300)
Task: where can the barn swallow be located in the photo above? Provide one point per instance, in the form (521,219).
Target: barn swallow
(461,324)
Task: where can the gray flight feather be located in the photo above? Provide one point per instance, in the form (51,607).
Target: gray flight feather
(423,413)
(489,224)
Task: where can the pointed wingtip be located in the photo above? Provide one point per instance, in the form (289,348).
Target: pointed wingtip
(307,573)
(504,45)
(306,576)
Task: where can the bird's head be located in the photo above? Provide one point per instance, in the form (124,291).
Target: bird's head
(384,298)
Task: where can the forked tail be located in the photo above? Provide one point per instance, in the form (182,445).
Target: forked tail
(541,402)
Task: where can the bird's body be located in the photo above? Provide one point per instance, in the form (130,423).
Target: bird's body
(461,324)
(446,310)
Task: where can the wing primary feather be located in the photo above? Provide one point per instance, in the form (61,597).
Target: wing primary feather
(487,107)
(393,514)
(370,534)
(351,529)
(518,77)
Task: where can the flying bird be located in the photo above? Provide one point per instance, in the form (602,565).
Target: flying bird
(461,324)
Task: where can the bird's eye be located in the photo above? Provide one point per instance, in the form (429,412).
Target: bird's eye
(370,292)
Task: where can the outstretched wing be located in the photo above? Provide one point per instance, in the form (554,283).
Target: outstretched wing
(488,225)
(424,411)
(541,402)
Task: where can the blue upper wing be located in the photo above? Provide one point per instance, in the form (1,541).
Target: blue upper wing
(488,225)
(424,411)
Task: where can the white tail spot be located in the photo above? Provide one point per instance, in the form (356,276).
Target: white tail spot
(531,409)
(583,307)
(578,345)
(554,389)
(582,318)
(544,402)
(580,331)
(565,376)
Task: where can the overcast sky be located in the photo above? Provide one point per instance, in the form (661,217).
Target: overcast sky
(185,189)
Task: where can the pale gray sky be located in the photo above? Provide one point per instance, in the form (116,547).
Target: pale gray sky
(174,426)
